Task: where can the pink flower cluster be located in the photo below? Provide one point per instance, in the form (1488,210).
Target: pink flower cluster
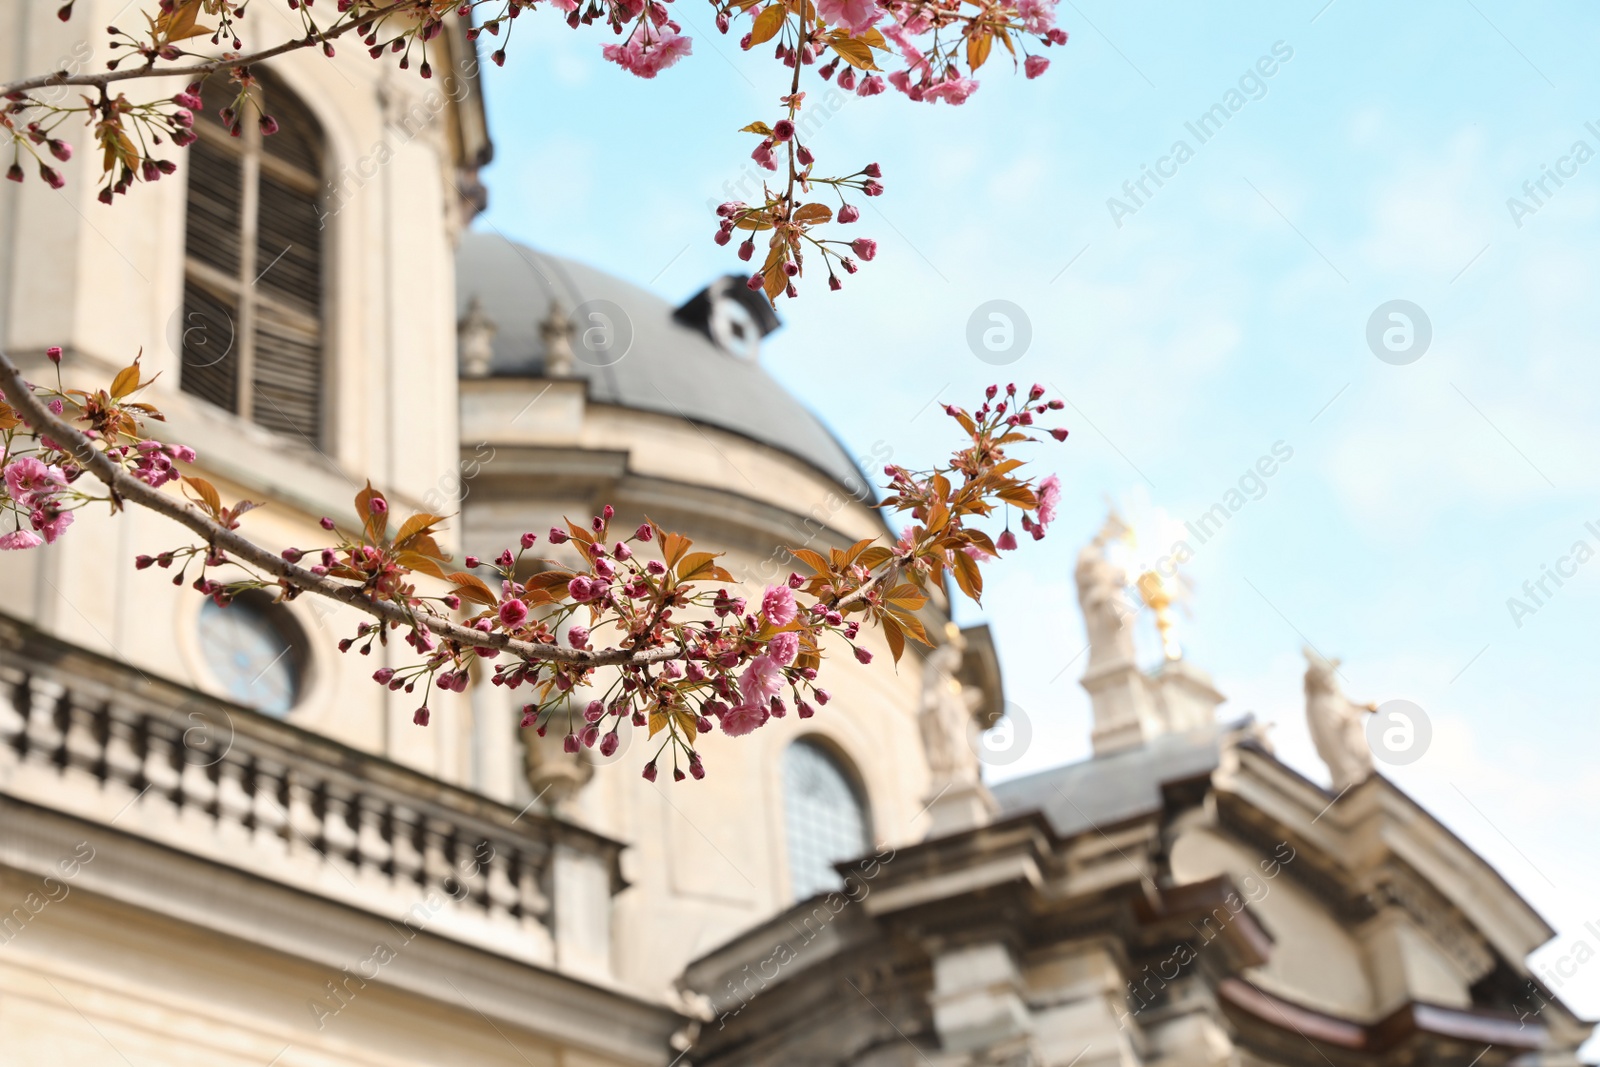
(35,487)
(154,462)
(646,55)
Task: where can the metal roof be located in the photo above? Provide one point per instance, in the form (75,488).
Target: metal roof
(1110,789)
(668,368)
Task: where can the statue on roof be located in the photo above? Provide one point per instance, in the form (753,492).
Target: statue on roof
(475,340)
(1102,593)
(1338,724)
(555,332)
(947,710)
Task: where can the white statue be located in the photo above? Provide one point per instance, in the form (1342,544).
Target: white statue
(556,332)
(947,709)
(1102,592)
(1338,726)
(475,338)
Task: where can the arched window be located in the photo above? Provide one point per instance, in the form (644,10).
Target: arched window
(252,333)
(824,816)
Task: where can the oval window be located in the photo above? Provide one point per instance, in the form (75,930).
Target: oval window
(255,650)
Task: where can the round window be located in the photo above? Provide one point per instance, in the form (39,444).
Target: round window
(254,649)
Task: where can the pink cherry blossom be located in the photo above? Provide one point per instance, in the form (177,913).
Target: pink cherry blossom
(1038,16)
(857,16)
(1049,500)
(27,478)
(17,539)
(513,613)
(1006,542)
(1036,65)
(743,719)
(761,681)
(763,155)
(778,605)
(784,647)
(647,56)
(952,90)
(50,522)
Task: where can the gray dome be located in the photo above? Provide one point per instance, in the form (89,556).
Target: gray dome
(668,367)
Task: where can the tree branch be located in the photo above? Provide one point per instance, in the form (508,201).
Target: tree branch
(126,487)
(106,78)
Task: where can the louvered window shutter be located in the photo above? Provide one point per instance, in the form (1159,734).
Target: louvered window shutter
(253,292)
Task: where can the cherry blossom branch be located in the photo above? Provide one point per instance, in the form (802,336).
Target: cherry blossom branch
(125,486)
(200,70)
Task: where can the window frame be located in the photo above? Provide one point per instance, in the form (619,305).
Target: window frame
(247,151)
(841,762)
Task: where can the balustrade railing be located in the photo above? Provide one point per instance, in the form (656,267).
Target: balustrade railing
(95,739)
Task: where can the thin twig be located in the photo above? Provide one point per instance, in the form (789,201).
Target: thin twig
(210,66)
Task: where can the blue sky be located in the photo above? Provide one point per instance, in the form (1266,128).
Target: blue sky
(1227,313)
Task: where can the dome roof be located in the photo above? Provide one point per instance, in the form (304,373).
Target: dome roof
(654,361)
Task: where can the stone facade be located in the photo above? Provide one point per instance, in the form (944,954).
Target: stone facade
(187,877)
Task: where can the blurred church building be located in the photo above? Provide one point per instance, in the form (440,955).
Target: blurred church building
(221,844)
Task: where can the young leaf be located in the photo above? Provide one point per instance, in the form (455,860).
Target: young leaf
(209,497)
(894,635)
(856,53)
(813,214)
(471,587)
(767,25)
(418,562)
(701,566)
(811,559)
(968,576)
(416,524)
(126,381)
(673,546)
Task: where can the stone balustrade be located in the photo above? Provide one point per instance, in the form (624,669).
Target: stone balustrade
(97,740)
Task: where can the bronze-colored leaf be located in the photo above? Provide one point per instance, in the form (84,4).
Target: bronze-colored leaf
(894,635)
(126,381)
(767,25)
(209,497)
(418,562)
(673,546)
(968,576)
(873,558)
(548,580)
(978,46)
(811,559)
(696,565)
(471,587)
(856,53)
(913,627)
(813,214)
(413,526)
